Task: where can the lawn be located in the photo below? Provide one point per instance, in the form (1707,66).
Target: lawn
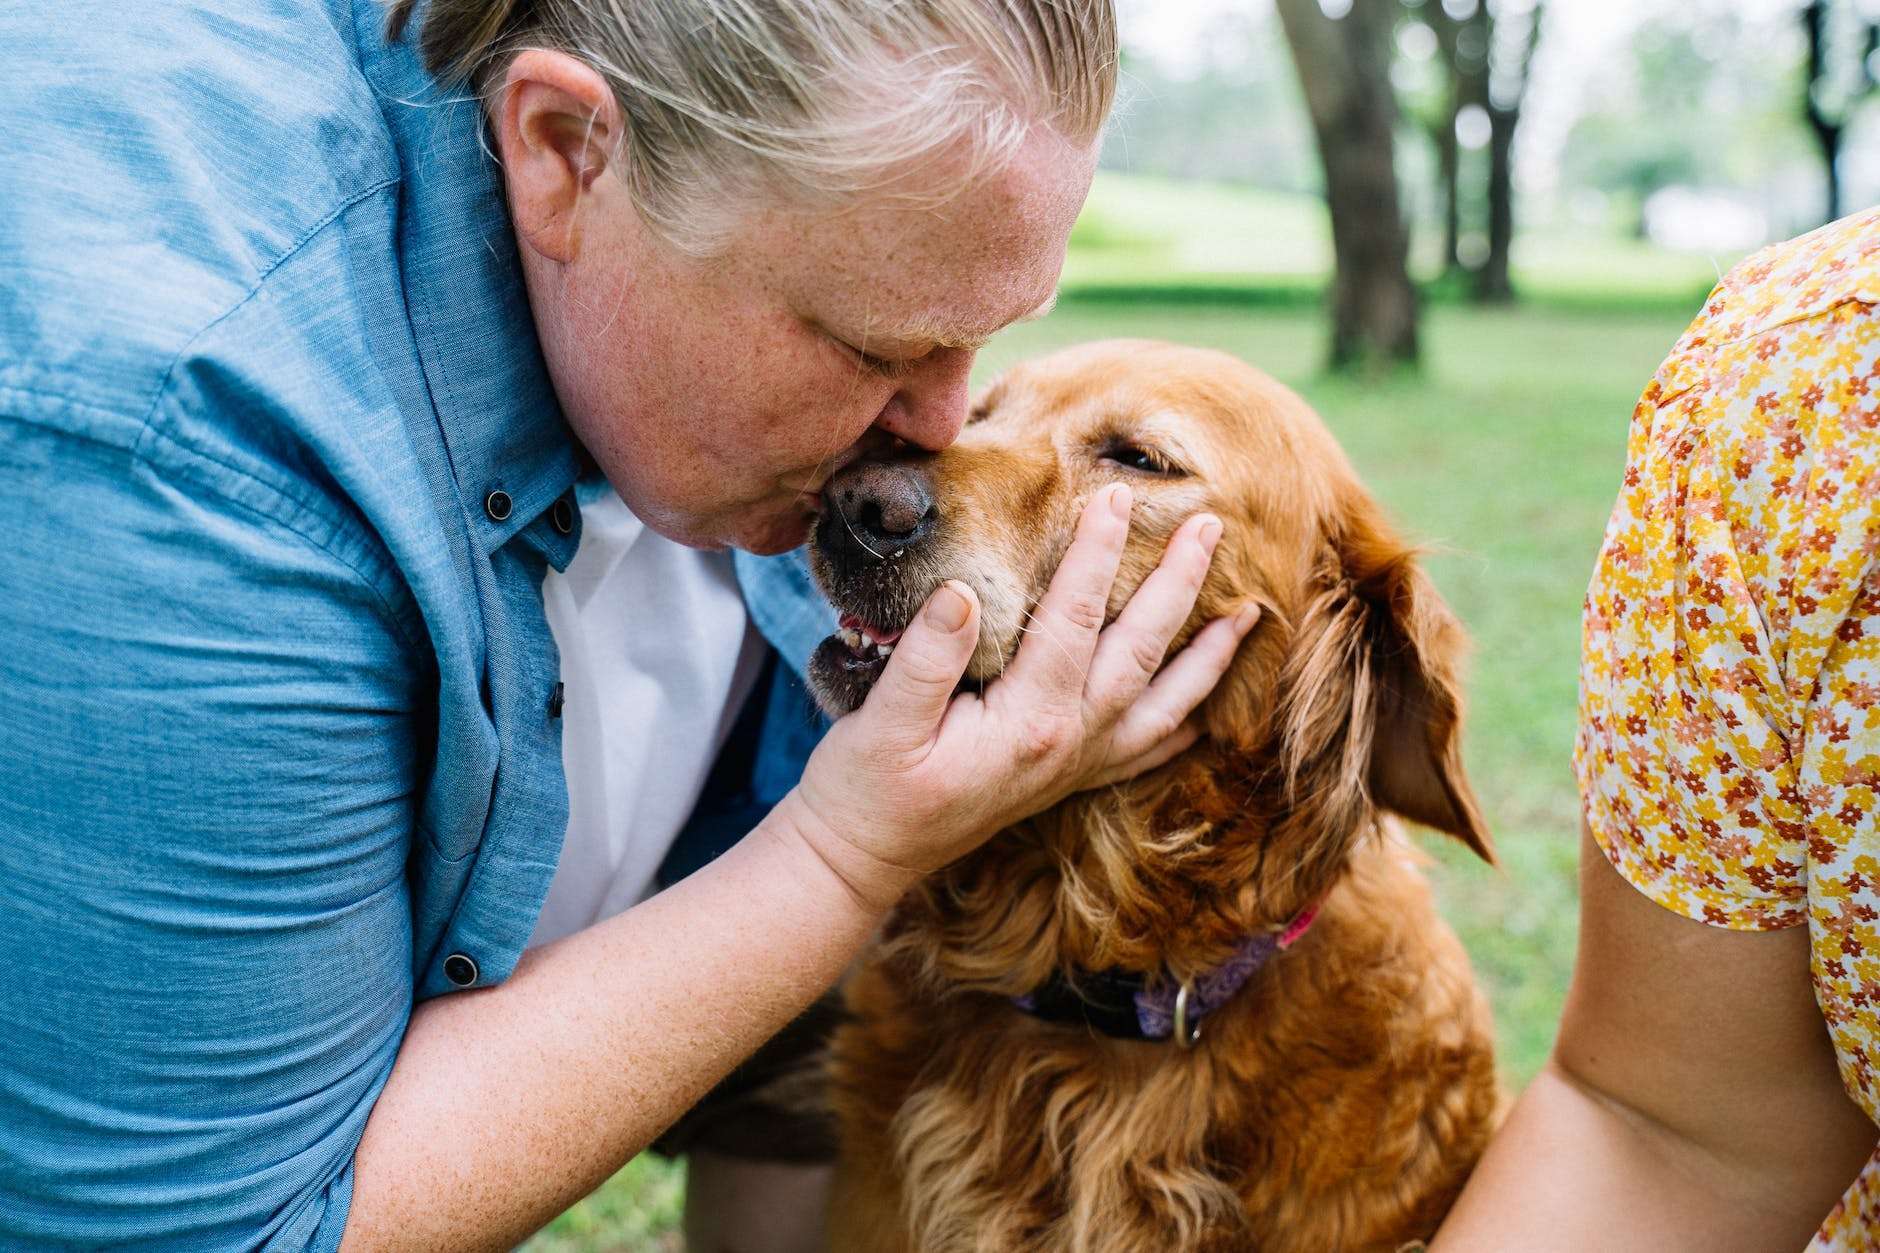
(1502,455)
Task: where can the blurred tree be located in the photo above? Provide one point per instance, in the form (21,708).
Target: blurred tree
(1511,31)
(1486,52)
(1342,51)
(1702,96)
(1229,111)
(1843,65)
(1431,97)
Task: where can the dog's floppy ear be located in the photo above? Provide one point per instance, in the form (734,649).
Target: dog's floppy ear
(1416,654)
(1372,683)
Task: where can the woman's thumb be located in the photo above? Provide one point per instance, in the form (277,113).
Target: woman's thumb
(908,700)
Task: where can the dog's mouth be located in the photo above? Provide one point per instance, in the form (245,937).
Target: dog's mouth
(847,663)
(867,644)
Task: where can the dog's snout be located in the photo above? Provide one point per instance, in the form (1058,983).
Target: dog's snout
(884,507)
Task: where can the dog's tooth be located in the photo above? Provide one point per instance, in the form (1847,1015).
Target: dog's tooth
(884,649)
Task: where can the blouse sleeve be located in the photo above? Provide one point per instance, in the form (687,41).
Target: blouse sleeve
(1729,622)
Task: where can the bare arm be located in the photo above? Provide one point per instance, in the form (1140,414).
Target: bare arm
(1692,1101)
(505,1106)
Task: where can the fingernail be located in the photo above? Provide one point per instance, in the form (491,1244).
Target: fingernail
(947,609)
(1210,534)
(1244,620)
(1119,499)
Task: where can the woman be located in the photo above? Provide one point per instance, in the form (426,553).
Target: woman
(295,384)
(1712,1086)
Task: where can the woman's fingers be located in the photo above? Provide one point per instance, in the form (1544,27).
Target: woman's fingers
(1162,752)
(1132,648)
(911,697)
(1178,689)
(1061,637)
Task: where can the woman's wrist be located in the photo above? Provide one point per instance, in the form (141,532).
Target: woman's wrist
(870,884)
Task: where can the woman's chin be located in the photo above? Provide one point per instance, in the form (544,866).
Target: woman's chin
(774,531)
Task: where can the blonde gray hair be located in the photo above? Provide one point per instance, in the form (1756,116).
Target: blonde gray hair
(734,103)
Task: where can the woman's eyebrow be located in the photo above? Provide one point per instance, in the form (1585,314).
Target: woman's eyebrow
(930,334)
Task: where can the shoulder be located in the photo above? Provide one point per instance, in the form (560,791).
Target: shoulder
(1820,290)
(159,168)
(1798,278)
(1775,388)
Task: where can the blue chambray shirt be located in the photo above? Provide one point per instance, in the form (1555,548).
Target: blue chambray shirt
(278,457)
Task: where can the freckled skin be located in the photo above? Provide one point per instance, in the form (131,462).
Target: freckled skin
(719,394)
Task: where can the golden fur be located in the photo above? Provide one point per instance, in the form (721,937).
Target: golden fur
(1341,1098)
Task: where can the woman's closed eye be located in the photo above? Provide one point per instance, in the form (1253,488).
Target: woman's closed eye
(885,367)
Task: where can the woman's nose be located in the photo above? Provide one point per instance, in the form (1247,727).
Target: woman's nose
(929,407)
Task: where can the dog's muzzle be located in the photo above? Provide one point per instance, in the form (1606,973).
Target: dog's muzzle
(877,511)
(877,519)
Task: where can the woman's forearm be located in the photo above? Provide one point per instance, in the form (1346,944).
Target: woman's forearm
(1692,1101)
(1572,1170)
(505,1106)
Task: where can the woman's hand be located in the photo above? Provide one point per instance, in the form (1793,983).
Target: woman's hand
(919,776)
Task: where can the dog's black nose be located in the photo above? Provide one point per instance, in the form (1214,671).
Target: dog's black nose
(877,509)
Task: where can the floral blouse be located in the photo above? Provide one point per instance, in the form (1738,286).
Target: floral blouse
(1729,743)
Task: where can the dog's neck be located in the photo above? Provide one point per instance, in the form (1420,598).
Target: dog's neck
(1167,877)
(1127,1006)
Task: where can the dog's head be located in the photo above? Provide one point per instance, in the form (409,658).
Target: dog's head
(1344,699)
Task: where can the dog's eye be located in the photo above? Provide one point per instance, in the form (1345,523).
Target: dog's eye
(1137,457)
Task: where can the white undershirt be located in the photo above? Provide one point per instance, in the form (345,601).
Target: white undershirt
(657,656)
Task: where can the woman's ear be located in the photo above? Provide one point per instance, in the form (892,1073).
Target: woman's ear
(557,127)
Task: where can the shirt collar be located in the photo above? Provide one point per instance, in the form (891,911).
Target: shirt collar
(464,293)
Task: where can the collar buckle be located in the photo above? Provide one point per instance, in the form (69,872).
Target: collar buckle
(1185,1031)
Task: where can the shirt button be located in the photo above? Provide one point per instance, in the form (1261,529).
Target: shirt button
(562,515)
(497,504)
(460,969)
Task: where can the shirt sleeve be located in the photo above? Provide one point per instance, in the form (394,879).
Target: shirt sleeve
(208,765)
(1718,619)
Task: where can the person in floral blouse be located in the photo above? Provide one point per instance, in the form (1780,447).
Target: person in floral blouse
(1713,1086)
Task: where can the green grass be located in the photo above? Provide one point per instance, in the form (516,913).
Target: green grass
(1141,237)
(1502,455)
(637,1211)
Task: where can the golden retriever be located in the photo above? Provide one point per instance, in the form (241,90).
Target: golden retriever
(1212,1008)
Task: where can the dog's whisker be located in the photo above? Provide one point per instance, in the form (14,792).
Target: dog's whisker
(858,539)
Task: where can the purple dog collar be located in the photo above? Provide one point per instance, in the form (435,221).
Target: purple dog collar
(1129,1006)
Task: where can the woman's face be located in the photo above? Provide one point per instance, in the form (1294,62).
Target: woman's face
(719,395)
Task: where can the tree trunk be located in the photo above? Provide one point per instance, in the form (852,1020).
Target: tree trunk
(1443,136)
(1344,68)
(1492,284)
(1449,172)
(1829,137)
(1827,129)
(1509,61)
